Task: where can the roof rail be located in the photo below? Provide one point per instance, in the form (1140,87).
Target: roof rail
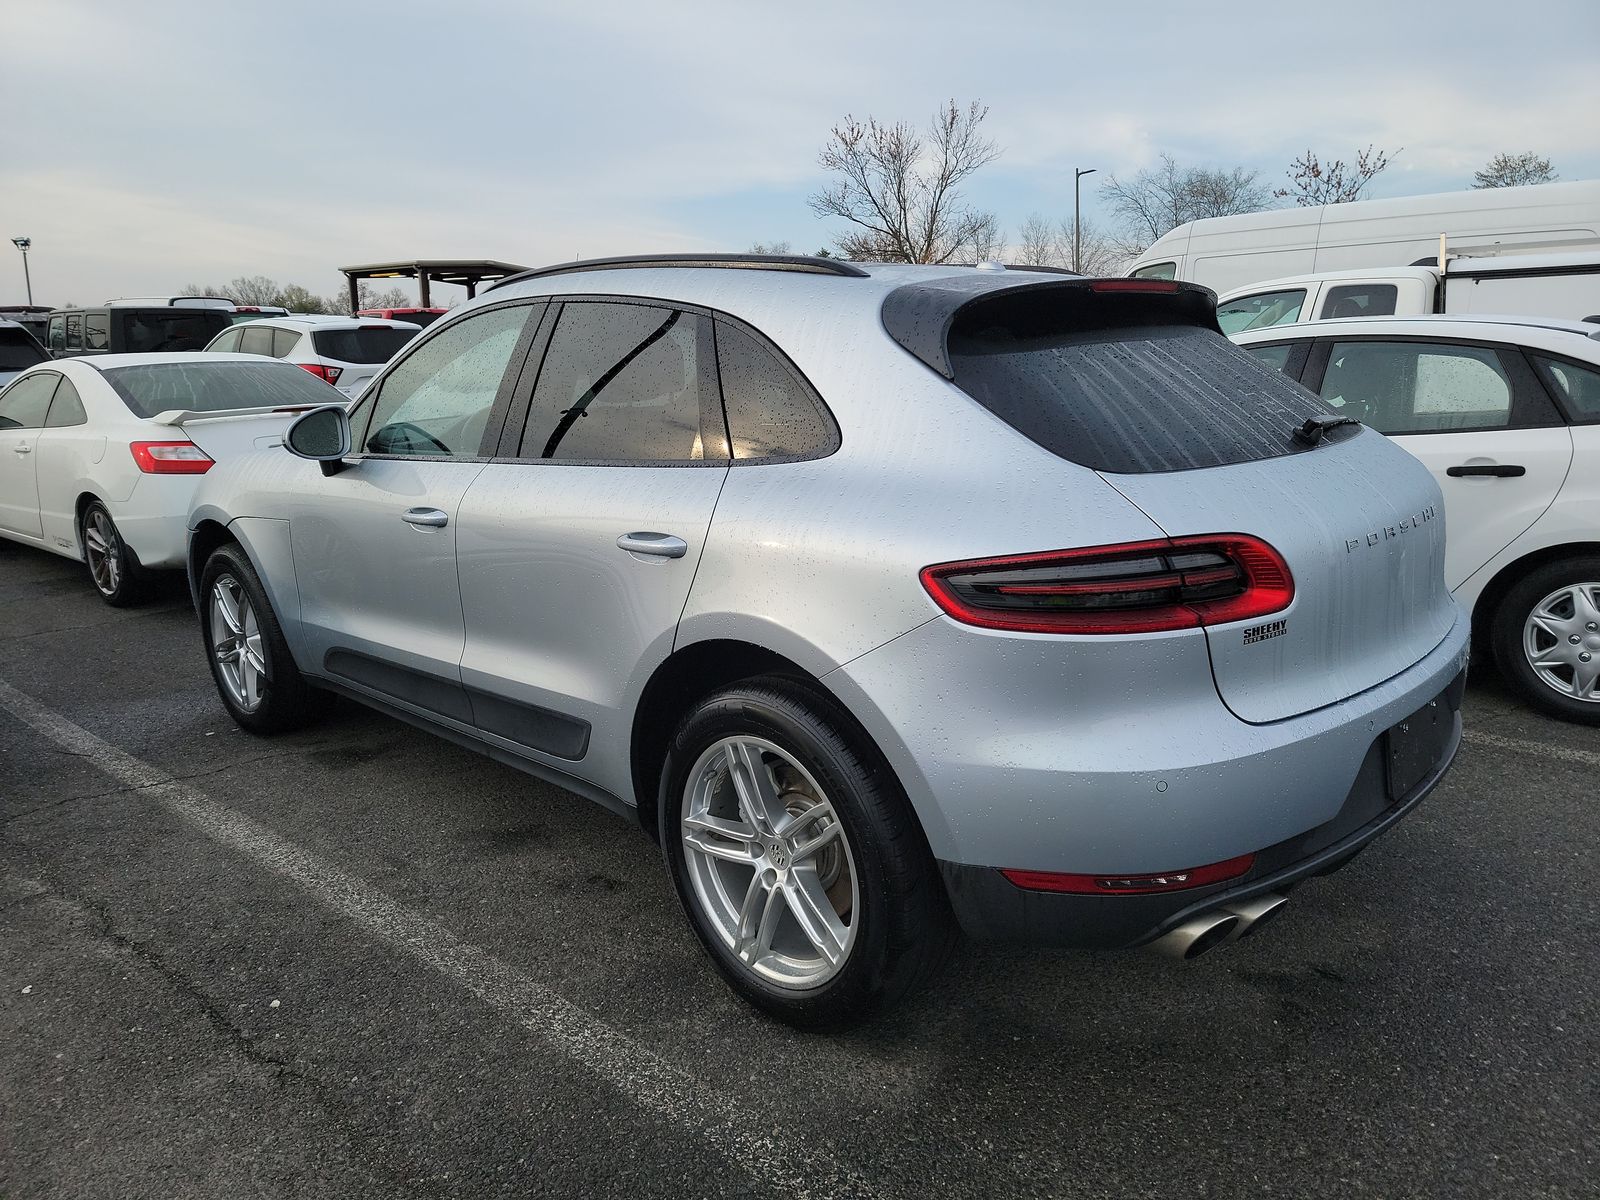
(805,264)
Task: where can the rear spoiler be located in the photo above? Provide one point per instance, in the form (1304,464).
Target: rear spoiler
(920,315)
(184,416)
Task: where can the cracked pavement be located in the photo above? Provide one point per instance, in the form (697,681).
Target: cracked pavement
(1420,1024)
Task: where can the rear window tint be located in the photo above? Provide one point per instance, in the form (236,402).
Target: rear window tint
(376,344)
(1132,400)
(147,331)
(18,350)
(203,386)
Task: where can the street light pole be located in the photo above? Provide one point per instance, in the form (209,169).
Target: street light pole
(1077,240)
(22,243)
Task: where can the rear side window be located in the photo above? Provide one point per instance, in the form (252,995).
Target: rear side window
(1132,399)
(228,343)
(146,331)
(369,344)
(621,383)
(74,331)
(1416,387)
(97,331)
(209,385)
(1276,357)
(66,409)
(283,341)
(1360,300)
(1578,387)
(1160,270)
(771,413)
(18,350)
(255,339)
(1261,311)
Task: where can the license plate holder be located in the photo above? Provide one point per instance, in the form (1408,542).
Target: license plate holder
(1415,746)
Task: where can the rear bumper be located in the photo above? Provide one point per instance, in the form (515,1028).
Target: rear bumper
(990,907)
(152,519)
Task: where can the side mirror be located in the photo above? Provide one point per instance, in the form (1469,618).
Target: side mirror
(322,435)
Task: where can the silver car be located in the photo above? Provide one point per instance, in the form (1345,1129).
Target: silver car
(891,599)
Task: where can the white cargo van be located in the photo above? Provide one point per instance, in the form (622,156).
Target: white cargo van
(1230,252)
(1525,285)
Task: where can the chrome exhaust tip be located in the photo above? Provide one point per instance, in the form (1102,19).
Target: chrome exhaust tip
(1254,913)
(1197,935)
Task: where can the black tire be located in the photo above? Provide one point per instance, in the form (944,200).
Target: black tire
(114,569)
(1506,636)
(286,701)
(903,927)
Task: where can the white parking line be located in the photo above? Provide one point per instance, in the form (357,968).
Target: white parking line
(641,1076)
(1494,741)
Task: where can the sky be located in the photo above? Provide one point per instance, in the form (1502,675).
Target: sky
(144,146)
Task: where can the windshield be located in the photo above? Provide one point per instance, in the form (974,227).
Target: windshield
(217,386)
(368,344)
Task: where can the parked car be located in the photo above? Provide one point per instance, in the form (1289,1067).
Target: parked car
(122,328)
(32,317)
(99,456)
(417,316)
(1565,286)
(862,588)
(18,350)
(1230,252)
(345,351)
(1505,411)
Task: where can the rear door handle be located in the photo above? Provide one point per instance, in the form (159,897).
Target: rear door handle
(662,545)
(1497,470)
(23,449)
(425,516)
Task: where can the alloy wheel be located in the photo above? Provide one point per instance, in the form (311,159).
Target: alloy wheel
(770,863)
(103,551)
(1561,638)
(236,643)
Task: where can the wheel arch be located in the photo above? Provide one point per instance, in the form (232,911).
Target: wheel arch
(1503,580)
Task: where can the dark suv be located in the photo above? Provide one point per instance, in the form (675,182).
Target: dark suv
(132,329)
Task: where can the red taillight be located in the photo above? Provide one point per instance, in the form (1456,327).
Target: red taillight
(170,458)
(1131,885)
(331,374)
(1166,286)
(1136,587)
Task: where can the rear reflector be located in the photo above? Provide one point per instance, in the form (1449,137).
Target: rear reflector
(331,374)
(1131,885)
(1135,587)
(170,458)
(1162,286)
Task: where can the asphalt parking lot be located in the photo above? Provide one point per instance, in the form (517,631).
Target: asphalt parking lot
(358,961)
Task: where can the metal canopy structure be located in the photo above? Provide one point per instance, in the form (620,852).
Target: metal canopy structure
(467,272)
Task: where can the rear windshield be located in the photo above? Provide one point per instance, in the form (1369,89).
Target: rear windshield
(1129,400)
(18,350)
(203,386)
(148,330)
(372,344)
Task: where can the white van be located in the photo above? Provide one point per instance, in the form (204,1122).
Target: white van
(1566,286)
(1230,252)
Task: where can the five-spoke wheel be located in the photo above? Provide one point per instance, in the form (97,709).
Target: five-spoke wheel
(236,643)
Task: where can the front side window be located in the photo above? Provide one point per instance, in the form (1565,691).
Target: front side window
(1160,270)
(1360,300)
(25,403)
(620,383)
(255,339)
(97,331)
(437,400)
(1415,387)
(66,409)
(1578,386)
(770,412)
(1261,311)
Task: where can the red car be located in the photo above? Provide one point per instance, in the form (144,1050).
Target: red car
(417,316)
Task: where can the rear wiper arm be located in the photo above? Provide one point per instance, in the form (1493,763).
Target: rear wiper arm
(1315,429)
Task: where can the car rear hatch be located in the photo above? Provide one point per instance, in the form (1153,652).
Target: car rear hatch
(1133,379)
(359,353)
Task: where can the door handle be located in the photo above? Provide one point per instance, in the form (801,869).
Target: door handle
(425,516)
(23,449)
(662,545)
(1497,470)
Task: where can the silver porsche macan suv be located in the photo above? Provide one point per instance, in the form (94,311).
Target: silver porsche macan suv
(890,599)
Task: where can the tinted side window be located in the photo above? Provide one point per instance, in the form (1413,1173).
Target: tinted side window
(770,411)
(58,333)
(1413,387)
(74,331)
(255,339)
(170,329)
(620,383)
(1161,270)
(66,409)
(1276,357)
(1360,300)
(437,400)
(1578,386)
(96,331)
(1260,311)
(283,341)
(26,401)
(228,343)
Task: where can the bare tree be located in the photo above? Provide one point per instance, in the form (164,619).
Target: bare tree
(1514,170)
(1043,243)
(900,187)
(770,248)
(1038,242)
(1337,182)
(1163,197)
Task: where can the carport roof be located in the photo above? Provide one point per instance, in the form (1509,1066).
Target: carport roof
(466,272)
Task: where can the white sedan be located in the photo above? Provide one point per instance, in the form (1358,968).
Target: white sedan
(1505,411)
(99,456)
